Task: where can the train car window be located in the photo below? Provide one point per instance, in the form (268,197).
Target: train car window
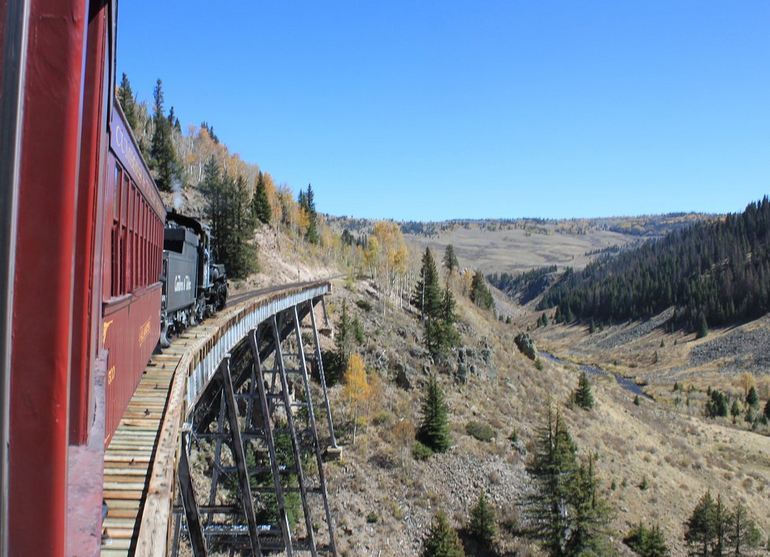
(116,194)
(142,250)
(145,257)
(115,237)
(124,234)
(137,239)
(132,235)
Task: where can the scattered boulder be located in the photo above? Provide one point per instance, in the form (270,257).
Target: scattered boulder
(526,345)
(402,377)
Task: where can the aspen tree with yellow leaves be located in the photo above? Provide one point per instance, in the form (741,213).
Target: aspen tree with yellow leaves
(357,389)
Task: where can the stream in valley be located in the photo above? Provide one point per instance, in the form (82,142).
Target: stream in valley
(626,383)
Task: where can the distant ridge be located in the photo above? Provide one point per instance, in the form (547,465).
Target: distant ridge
(713,273)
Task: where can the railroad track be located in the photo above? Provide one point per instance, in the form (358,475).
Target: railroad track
(244,296)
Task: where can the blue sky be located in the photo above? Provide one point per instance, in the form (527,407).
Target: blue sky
(429,110)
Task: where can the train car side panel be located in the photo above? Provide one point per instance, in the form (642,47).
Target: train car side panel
(130,335)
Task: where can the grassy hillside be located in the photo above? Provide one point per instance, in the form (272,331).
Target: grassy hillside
(384,498)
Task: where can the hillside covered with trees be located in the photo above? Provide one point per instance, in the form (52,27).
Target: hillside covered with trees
(713,273)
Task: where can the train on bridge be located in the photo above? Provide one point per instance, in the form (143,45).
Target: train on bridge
(94,273)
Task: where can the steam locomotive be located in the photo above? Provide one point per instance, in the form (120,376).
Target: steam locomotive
(194,285)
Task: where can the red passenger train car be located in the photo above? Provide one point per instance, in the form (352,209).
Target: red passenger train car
(132,259)
(81,240)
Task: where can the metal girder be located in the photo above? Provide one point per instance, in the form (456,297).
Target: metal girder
(217,454)
(260,380)
(240,456)
(293,434)
(311,419)
(197,541)
(322,376)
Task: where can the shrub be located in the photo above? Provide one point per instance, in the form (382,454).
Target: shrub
(382,418)
(421,452)
(480,431)
(364,305)
(372,518)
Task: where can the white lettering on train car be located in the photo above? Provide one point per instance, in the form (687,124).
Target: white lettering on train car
(182,284)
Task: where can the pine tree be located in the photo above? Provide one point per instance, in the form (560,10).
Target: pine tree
(306,200)
(717,404)
(590,513)
(450,259)
(553,468)
(439,330)
(229,215)
(442,540)
(647,542)
(752,399)
(735,410)
(260,205)
(358,331)
(163,158)
(767,410)
(427,295)
(743,536)
(434,427)
(655,545)
(343,339)
(128,103)
(701,527)
(582,395)
(480,294)
(483,524)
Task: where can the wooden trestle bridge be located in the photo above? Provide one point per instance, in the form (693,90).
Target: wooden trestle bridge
(219,450)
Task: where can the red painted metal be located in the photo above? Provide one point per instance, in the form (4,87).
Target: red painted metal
(43,279)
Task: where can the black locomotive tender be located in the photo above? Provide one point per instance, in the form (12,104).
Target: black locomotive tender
(194,285)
